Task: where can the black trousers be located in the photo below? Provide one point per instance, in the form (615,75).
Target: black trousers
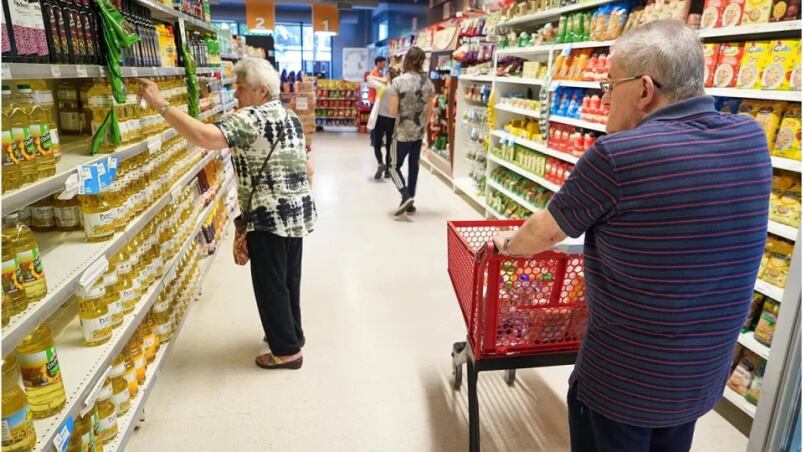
(383,129)
(593,432)
(276,275)
(400,151)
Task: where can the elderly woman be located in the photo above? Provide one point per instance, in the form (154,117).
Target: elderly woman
(281,211)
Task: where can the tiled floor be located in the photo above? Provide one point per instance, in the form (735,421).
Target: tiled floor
(380,318)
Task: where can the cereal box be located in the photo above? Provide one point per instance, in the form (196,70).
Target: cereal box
(756,12)
(778,72)
(787,140)
(728,64)
(732,14)
(755,59)
(712,14)
(711,52)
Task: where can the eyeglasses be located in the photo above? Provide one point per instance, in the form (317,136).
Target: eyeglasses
(608,85)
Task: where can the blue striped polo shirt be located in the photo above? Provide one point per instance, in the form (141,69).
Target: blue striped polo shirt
(675,217)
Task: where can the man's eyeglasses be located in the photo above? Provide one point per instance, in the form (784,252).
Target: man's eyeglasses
(608,85)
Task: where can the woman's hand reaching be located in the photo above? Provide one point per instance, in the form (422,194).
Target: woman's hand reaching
(149,91)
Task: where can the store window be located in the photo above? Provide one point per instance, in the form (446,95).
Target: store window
(298,48)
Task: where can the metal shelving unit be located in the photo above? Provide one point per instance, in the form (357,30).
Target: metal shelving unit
(165,13)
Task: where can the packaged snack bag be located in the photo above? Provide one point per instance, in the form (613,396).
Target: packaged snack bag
(787,141)
(617,21)
(742,376)
(711,52)
(755,311)
(794,77)
(732,14)
(778,262)
(785,206)
(769,116)
(712,14)
(754,60)
(729,64)
(785,10)
(765,330)
(778,72)
(749,107)
(756,12)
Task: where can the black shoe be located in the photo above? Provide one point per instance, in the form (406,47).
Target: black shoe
(405,204)
(379,172)
(411,208)
(387,174)
(300,342)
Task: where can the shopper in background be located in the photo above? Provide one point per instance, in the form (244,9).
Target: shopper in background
(282,209)
(383,126)
(377,75)
(411,104)
(673,204)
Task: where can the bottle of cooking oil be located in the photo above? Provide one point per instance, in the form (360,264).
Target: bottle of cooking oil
(67,213)
(115,195)
(43,216)
(99,100)
(97,216)
(71,117)
(21,134)
(96,320)
(76,443)
(43,95)
(121,397)
(39,125)
(12,156)
(150,341)
(18,430)
(111,298)
(162,326)
(85,429)
(138,355)
(33,273)
(130,374)
(14,299)
(41,373)
(107,414)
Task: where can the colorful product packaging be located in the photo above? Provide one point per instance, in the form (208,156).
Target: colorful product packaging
(778,73)
(755,59)
(729,63)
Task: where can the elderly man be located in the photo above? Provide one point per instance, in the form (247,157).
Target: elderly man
(673,204)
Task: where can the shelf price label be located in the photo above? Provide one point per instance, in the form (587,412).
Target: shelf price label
(62,439)
(92,274)
(81,71)
(6,74)
(154,144)
(55,70)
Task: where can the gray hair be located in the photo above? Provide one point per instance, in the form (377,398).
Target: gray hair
(256,72)
(668,51)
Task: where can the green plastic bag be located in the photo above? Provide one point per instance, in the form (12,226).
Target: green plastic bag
(193,90)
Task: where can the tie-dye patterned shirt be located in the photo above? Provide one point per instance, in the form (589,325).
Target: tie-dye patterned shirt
(282,203)
(415,92)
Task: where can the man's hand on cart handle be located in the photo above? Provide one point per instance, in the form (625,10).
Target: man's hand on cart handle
(540,233)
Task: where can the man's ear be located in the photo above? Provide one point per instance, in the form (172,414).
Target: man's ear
(647,93)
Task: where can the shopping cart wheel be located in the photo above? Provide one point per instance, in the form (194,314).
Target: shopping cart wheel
(458,359)
(457,372)
(510,376)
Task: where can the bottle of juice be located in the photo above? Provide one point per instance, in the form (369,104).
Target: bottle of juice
(43,95)
(14,299)
(21,134)
(85,429)
(121,397)
(107,414)
(32,270)
(43,217)
(96,320)
(67,214)
(18,430)
(41,373)
(12,157)
(39,125)
(97,217)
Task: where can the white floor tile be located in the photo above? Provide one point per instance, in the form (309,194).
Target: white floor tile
(380,318)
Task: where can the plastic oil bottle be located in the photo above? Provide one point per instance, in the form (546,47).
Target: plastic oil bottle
(150,340)
(121,397)
(43,217)
(85,429)
(76,444)
(43,95)
(18,429)
(107,414)
(162,324)
(14,299)
(21,134)
(111,298)
(130,374)
(39,125)
(136,354)
(67,214)
(41,373)
(32,270)
(97,217)
(99,100)
(96,320)
(12,156)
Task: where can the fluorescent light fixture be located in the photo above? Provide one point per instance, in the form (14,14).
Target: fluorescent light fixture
(326,33)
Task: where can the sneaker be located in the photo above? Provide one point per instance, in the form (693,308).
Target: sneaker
(379,172)
(405,204)
(411,208)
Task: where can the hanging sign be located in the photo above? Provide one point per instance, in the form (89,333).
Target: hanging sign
(260,14)
(325,18)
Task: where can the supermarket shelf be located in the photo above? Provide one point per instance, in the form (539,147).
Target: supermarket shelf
(73,155)
(583,45)
(790,96)
(521,171)
(468,186)
(59,248)
(780,229)
(320,107)
(536,146)
(521,81)
(496,214)
(792,26)
(207,70)
(577,84)
(17,71)
(477,78)
(770,290)
(740,402)
(165,13)
(525,50)
(340,128)
(230,105)
(553,13)
(578,123)
(551,47)
(203,116)
(518,110)
(519,200)
(343,118)
(437,164)
(230,56)
(337,98)
(750,342)
(787,164)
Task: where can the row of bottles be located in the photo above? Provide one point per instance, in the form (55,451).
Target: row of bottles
(52,31)
(146,52)
(29,152)
(23,272)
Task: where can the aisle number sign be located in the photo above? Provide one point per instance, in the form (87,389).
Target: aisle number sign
(325,18)
(260,14)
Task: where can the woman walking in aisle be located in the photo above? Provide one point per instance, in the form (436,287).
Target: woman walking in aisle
(411,104)
(270,160)
(383,128)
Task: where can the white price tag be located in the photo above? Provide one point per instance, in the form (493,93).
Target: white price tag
(134,72)
(55,70)
(89,403)
(93,273)
(154,144)
(176,193)
(102,70)
(71,187)
(553,86)
(6,72)
(81,71)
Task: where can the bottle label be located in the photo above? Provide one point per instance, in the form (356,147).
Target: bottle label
(162,329)
(41,139)
(17,426)
(115,309)
(139,362)
(43,216)
(98,224)
(70,121)
(30,265)
(44,97)
(127,295)
(67,217)
(39,369)
(12,276)
(110,278)
(161,306)
(22,136)
(11,152)
(54,136)
(121,398)
(149,342)
(124,267)
(97,329)
(108,423)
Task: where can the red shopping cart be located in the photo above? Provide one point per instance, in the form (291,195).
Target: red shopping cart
(519,312)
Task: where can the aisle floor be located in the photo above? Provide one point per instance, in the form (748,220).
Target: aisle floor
(380,317)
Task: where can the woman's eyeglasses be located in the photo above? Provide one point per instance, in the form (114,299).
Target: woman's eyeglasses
(608,85)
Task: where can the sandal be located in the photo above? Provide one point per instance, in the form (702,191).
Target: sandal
(269,361)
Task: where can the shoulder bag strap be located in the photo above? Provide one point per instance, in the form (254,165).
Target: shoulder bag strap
(265,165)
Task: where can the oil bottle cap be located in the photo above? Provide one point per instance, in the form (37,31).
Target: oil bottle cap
(6,89)
(24,87)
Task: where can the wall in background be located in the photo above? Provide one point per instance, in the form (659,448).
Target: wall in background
(399,19)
